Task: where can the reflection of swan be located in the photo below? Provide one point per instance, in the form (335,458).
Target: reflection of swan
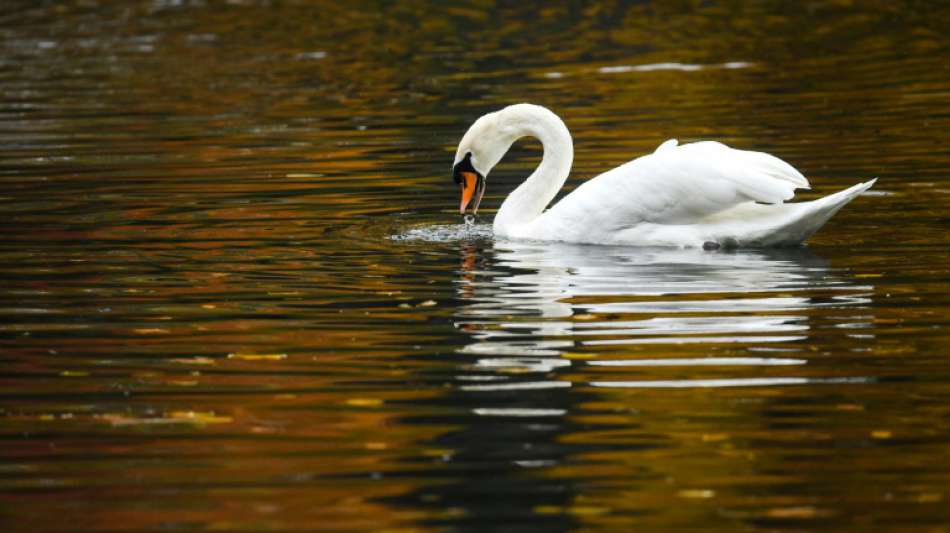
(562,279)
(538,302)
(690,195)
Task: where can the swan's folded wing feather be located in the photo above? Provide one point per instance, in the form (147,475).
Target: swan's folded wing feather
(668,145)
(678,185)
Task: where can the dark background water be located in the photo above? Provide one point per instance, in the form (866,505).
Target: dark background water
(235,293)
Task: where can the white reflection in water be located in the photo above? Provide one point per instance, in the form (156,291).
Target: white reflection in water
(705,361)
(739,382)
(487,411)
(537,302)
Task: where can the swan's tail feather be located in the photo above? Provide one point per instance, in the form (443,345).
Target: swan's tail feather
(808,217)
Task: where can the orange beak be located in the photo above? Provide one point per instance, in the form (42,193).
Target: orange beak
(468,186)
(471,184)
(473,187)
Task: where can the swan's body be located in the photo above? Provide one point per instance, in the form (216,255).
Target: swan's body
(680,195)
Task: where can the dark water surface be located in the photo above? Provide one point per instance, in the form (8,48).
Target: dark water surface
(235,293)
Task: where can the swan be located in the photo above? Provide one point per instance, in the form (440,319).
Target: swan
(702,194)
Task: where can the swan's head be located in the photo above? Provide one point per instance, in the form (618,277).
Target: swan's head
(482,147)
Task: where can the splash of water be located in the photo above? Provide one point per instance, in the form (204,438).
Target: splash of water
(468,230)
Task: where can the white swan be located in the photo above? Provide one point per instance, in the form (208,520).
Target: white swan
(698,194)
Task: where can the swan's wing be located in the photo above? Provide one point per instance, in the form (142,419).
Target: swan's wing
(677,185)
(668,145)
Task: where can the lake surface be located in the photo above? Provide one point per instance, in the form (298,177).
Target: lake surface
(236,294)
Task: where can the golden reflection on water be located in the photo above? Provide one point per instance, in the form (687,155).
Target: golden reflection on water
(234,295)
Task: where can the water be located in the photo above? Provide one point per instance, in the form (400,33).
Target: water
(236,293)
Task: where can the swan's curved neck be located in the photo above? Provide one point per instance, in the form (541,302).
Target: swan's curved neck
(526,202)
